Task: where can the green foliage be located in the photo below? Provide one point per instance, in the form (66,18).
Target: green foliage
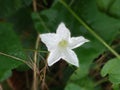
(106,27)
(83,84)
(110,7)
(8,8)
(72,86)
(111,68)
(9,45)
(19,26)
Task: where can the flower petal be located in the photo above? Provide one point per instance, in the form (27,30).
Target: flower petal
(63,32)
(50,40)
(77,41)
(70,57)
(53,57)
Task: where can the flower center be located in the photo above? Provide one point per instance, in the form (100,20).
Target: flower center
(63,43)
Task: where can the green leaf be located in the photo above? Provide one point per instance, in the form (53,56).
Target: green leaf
(9,45)
(73,86)
(110,7)
(27,2)
(5,75)
(8,7)
(39,23)
(24,28)
(84,84)
(116,87)
(111,68)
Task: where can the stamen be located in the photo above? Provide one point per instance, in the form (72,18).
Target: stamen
(63,43)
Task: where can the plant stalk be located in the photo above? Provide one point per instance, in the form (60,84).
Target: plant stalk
(35,80)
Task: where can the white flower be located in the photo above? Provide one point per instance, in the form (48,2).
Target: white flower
(60,45)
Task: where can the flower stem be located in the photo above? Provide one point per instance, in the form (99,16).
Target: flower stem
(35,65)
(16,58)
(33,50)
(35,82)
(101,81)
(89,29)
